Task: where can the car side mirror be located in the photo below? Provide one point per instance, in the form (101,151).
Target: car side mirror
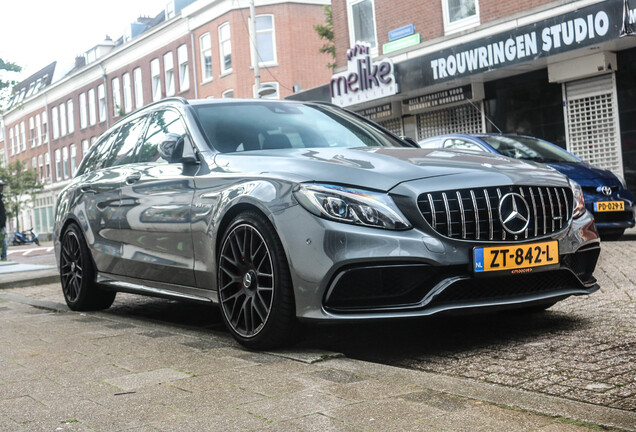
(171,149)
(409,140)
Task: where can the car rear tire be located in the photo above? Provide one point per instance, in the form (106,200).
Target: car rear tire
(77,273)
(254,284)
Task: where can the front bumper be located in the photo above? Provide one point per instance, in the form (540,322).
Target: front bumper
(343,272)
(614,220)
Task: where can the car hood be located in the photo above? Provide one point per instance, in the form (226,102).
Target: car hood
(383,168)
(586,174)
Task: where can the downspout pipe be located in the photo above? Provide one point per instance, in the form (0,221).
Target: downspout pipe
(194,62)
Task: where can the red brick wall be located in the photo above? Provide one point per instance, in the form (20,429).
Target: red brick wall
(426,16)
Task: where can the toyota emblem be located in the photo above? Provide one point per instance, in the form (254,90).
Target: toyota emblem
(607,191)
(514,213)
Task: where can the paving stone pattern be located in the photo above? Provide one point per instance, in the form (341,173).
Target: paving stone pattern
(583,348)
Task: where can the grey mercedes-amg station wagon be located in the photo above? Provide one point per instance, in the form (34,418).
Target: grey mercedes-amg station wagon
(281,212)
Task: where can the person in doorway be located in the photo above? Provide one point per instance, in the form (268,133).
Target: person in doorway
(3,222)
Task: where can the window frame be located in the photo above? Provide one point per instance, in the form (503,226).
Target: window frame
(351,25)
(206,53)
(92,114)
(70,116)
(116,87)
(139,89)
(155,85)
(168,74)
(222,42)
(183,68)
(101,103)
(127,88)
(62,108)
(274,61)
(83,110)
(461,24)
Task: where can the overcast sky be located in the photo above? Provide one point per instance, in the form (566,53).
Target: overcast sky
(34,33)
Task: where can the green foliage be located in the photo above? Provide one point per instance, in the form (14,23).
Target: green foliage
(326,32)
(20,183)
(7,84)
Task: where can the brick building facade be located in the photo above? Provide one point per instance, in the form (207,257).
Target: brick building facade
(559,70)
(55,115)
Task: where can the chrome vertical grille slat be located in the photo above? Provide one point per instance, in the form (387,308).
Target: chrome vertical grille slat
(448,212)
(448,215)
(462,215)
(476,210)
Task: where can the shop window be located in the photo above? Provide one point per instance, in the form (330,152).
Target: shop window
(362,23)
(225,46)
(206,57)
(460,14)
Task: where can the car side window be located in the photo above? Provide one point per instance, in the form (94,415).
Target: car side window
(129,133)
(461,144)
(96,158)
(161,123)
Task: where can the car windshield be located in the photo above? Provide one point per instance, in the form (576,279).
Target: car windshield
(246,126)
(528,149)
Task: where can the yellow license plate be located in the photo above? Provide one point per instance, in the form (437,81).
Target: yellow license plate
(516,258)
(608,206)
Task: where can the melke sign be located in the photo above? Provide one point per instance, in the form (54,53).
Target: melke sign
(364,80)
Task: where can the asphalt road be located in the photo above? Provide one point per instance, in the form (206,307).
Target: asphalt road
(583,348)
(32,253)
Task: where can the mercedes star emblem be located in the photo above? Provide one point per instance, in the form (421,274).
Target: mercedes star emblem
(514,213)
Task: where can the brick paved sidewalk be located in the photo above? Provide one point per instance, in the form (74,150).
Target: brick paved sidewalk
(61,370)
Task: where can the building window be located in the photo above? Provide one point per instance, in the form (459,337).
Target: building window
(265,40)
(82,110)
(116,97)
(62,108)
(47,165)
(70,111)
(34,162)
(184,75)
(92,115)
(127,92)
(41,167)
(31,132)
(139,90)
(84,148)
(101,102)
(206,57)
(269,90)
(38,130)
(65,161)
(11,140)
(460,14)
(228,93)
(168,68)
(155,77)
(16,129)
(73,159)
(225,45)
(55,124)
(22,136)
(362,23)
(58,165)
(45,127)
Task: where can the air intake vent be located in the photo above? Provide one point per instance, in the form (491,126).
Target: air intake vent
(473,214)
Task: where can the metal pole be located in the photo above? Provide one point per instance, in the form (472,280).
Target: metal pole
(255,57)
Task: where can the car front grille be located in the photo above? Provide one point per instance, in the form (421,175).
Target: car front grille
(473,214)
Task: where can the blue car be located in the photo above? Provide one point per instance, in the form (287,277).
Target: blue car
(606,196)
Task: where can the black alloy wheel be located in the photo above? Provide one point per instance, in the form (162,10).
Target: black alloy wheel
(254,286)
(77,274)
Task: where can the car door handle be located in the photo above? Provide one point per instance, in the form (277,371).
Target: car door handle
(133,178)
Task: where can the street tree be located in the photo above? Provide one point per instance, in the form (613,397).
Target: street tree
(7,84)
(21,185)
(326,32)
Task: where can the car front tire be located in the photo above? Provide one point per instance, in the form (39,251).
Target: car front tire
(254,284)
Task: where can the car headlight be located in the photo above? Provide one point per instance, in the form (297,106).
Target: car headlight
(579,202)
(349,205)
